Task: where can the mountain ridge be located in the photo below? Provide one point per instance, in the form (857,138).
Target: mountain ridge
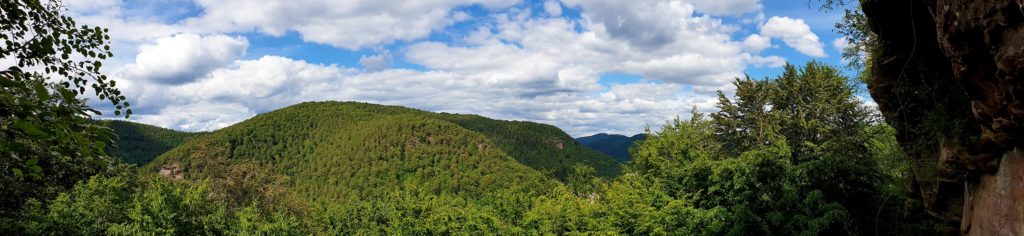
(614,145)
(552,151)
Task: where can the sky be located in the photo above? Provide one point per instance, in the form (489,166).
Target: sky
(585,66)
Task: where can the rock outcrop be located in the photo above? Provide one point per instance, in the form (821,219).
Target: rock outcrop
(172,171)
(947,74)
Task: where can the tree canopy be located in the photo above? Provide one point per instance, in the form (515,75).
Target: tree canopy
(47,142)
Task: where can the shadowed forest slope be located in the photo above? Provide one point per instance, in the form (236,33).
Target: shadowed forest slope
(614,145)
(139,143)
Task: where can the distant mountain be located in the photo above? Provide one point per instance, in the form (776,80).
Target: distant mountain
(614,145)
(140,143)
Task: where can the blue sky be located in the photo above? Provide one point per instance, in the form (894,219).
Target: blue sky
(586,66)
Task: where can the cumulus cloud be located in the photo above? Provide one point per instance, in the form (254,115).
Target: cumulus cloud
(249,87)
(690,69)
(515,63)
(795,33)
(841,43)
(553,8)
(755,43)
(761,61)
(184,57)
(645,24)
(727,7)
(352,25)
(197,116)
(376,62)
(232,93)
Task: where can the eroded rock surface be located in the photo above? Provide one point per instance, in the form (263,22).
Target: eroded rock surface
(947,77)
(996,200)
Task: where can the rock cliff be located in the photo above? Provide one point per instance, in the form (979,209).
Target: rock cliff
(946,74)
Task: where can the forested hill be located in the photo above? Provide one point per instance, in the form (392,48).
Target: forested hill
(540,146)
(615,145)
(346,157)
(140,143)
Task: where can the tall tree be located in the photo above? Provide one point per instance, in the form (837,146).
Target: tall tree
(47,142)
(794,154)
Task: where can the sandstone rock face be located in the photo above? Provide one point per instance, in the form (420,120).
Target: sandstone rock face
(172,171)
(948,76)
(995,203)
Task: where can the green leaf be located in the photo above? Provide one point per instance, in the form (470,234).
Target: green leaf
(32,162)
(18,172)
(36,169)
(5,82)
(12,146)
(30,129)
(41,92)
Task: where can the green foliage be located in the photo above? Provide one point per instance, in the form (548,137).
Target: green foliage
(139,143)
(404,213)
(47,142)
(129,205)
(582,181)
(37,35)
(341,160)
(796,154)
(793,155)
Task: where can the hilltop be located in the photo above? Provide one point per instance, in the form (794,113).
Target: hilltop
(615,145)
(540,146)
(340,158)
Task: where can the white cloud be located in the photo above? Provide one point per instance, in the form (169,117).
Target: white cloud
(249,87)
(515,64)
(645,24)
(553,8)
(197,116)
(92,6)
(727,7)
(760,61)
(461,16)
(690,69)
(795,33)
(841,43)
(376,62)
(184,57)
(353,24)
(755,43)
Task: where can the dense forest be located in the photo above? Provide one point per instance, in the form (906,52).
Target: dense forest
(614,145)
(820,164)
(139,143)
(794,154)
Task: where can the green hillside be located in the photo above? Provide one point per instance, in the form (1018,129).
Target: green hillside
(540,146)
(334,156)
(615,145)
(139,143)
